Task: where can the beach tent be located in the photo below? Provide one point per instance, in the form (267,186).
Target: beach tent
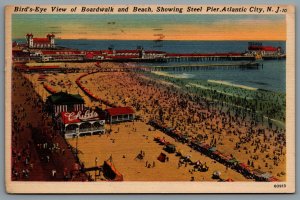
(162,157)
(245,169)
(260,175)
(179,153)
(212,149)
(223,157)
(111,173)
(218,153)
(182,138)
(244,166)
(216,174)
(232,161)
(169,130)
(266,175)
(195,144)
(205,146)
(170,148)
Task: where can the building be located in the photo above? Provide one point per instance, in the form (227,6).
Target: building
(69,55)
(64,102)
(80,123)
(257,48)
(120,114)
(40,43)
(71,117)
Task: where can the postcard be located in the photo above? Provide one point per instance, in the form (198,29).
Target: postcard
(150,98)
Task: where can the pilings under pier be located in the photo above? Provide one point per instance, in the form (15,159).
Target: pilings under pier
(218,57)
(212,66)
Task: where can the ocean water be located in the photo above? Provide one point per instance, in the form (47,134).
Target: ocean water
(270,77)
(168,46)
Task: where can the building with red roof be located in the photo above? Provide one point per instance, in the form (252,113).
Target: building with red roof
(40,43)
(71,117)
(80,123)
(257,48)
(120,114)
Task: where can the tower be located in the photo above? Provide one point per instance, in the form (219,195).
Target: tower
(29,38)
(51,39)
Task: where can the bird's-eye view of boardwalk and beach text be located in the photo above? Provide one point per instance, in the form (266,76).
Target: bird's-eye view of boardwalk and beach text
(148,98)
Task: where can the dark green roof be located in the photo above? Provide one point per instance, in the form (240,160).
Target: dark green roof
(62,98)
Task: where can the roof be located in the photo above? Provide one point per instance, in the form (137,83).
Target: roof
(122,57)
(120,111)
(41,40)
(201,54)
(62,52)
(263,48)
(94,52)
(127,51)
(62,98)
(155,52)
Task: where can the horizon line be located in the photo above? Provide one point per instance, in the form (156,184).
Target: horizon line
(162,40)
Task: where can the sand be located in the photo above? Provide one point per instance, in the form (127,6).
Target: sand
(124,145)
(147,97)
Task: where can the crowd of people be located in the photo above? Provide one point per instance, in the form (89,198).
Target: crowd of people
(39,153)
(259,102)
(234,131)
(207,115)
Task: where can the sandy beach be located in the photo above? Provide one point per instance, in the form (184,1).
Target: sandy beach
(125,143)
(251,143)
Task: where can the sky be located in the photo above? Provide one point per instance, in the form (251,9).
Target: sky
(151,27)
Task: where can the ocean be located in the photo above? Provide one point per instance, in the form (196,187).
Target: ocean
(270,77)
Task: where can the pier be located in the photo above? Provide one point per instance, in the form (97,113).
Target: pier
(212,66)
(198,57)
(208,57)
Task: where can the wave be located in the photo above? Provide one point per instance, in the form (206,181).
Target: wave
(181,76)
(232,84)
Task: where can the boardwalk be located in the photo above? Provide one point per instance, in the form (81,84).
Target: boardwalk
(176,67)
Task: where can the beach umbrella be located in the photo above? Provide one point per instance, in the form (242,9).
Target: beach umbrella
(217,173)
